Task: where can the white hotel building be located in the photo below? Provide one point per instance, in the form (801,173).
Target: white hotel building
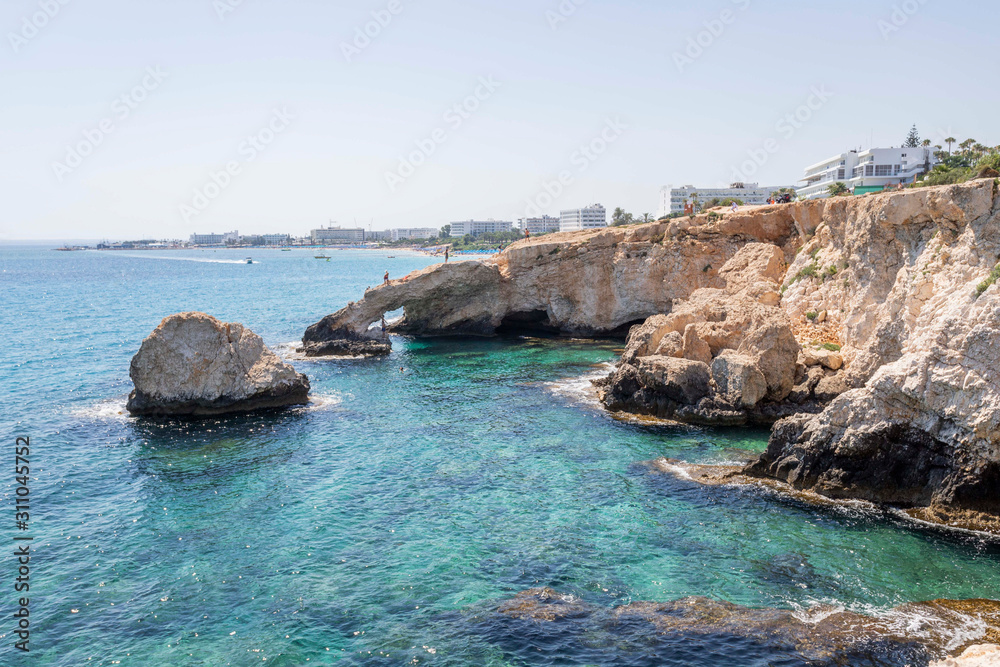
(542,225)
(477,227)
(672,200)
(591,217)
(867,171)
(414,233)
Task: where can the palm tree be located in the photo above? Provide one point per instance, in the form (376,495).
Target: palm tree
(950,141)
(647,217)
(926,143)
(838,189)
(967,144)
(979,148)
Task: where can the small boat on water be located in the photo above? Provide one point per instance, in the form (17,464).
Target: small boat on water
(286,250)
(322,257)
(249,260)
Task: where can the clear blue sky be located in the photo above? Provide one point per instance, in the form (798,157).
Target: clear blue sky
(560,83)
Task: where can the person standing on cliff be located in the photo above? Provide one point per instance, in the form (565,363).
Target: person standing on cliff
(446,255)
(385,279)
(527,234)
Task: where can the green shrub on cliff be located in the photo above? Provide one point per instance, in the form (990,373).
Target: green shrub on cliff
(990,279)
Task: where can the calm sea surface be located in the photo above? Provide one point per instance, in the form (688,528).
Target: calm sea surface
(381,525)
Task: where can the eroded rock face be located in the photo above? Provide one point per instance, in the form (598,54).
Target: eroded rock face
(589,283)
(923,427)
(193,365)
(745,346)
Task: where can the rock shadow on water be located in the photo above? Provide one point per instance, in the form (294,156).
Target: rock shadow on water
(213,449)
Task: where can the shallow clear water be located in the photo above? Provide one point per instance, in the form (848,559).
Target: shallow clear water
(380,525)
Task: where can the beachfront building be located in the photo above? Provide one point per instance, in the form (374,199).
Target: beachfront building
(870,170)
(477,227)
(276,239)
(215,239)
(591,217)
(414,233)
(542,225)
(673,200)
(206,239)
(337,235)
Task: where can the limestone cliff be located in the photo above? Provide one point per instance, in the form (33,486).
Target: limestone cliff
(588,283)
(920,325)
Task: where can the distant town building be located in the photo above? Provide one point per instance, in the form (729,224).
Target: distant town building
(231,237)
(591,217)
(276,239)
(477,227)
(415,233)
(673,200)
(542,225)
(338,235)
(207,239)
(867,171)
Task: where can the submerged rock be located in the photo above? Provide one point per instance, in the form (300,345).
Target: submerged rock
(822,635)
(193,365)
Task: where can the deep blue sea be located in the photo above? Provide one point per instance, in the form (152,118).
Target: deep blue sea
(383,524)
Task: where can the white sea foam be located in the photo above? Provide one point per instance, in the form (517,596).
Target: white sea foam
(676,470)
(580,389)
(289,351)
(916,622)
(318,402)
(111,409)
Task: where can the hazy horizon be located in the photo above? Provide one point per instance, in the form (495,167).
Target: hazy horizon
(158,120)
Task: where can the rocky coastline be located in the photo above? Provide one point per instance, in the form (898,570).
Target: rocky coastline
(864,329)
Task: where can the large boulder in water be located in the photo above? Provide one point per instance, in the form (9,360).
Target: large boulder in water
(193,365)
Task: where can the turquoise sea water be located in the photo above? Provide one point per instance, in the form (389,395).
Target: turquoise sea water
(381,525)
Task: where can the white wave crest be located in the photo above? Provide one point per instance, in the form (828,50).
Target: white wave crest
(580,389)
(110,409)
